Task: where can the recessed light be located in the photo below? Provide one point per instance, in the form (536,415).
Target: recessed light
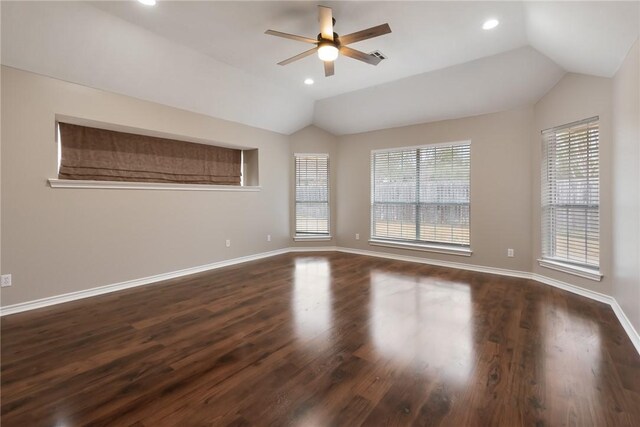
(490,24)
(148,2)
(308,81)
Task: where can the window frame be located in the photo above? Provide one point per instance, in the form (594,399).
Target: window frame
(553,262)
(418,245)
(311,237)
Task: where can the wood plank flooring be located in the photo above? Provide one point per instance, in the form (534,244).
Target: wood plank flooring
(322,339)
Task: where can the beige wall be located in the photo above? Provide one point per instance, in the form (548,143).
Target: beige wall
(56,241)
(626,192)
(312,139)
(63,240)
(575,97)
(500,184)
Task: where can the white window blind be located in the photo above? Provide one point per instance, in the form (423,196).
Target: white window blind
(312,194)
(421,195)
(571,194)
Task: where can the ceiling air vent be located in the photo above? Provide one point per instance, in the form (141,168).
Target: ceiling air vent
(378,54)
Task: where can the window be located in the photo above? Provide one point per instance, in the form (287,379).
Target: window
(571,195)
(420,195)
(312,195)
(88,153)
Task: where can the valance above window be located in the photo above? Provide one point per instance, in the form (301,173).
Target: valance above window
(104,155)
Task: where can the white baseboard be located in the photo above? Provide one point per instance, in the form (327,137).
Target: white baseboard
(58,299)
(439,263)
(313,249)
(634,336)
(597,296)
(72,296)
(572,288)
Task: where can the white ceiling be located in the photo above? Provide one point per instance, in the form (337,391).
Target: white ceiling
(583,37)
(214,58)
(76,42)
(425,36)
(497,83)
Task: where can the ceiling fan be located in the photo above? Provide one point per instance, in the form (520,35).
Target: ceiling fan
(329,45)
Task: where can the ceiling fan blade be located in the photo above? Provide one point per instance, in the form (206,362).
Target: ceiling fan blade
(369,33)
(328,68)
(360,56)
(325,18)
(291,36)
(298,56)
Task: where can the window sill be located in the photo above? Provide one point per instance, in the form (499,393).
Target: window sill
(571,269)
(124,185)
(441,249)
(312,238)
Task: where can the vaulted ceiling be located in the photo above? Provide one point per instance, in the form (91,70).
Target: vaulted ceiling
(214,58)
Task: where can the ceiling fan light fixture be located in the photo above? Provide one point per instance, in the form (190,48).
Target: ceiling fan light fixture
(327,52)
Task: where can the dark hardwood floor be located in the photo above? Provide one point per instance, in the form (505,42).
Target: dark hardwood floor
(323,339)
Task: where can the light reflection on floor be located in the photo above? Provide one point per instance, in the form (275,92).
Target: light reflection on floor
(404,330)
(311,302)
(573,360)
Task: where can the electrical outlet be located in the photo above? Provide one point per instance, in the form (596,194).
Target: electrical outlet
(228,243)
(357,236)
(268,237)
(6,280)
(510,253)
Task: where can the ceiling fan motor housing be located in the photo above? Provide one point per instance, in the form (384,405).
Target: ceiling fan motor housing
(335,41)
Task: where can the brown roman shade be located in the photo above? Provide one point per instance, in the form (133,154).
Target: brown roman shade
(105,155)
